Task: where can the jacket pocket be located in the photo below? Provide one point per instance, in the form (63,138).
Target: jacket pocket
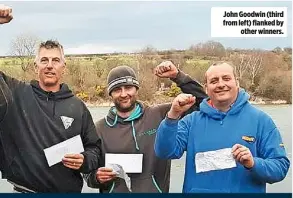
(118,186)
(147,184)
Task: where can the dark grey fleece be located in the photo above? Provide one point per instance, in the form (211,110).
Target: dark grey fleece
(155,176)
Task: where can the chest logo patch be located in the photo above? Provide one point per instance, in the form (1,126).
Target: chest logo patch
(67,121)
(149,132)
(249,139)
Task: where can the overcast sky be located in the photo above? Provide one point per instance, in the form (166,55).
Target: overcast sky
(100,27)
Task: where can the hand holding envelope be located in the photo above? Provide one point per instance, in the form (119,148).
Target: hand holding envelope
(73,161)
(68,152)
(105,174)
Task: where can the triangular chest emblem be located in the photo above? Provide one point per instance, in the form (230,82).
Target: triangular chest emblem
(67,121)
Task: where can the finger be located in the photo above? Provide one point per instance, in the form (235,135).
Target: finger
(71,166)
(162,70)
(236,146)
(240,155)
(244,157)
(10,17)
(158,70)
(110,174)
(167,68)
(2,8)
(74,156)
(72,161)
(106,177)
(239,150)
(185,99)
(5,13)
(105,169)
(193,99)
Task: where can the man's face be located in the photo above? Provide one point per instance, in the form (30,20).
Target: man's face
(124,97)
(50,67)
(221,85)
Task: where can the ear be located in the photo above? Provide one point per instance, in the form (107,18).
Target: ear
(64,68)
(137,89)
(110,96)
(206,88)
(35,67)
(237,82)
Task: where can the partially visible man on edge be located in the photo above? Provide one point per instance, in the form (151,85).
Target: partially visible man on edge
(230,145)
(130,128)
(39,115)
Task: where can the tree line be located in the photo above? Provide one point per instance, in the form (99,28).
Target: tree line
(263,73)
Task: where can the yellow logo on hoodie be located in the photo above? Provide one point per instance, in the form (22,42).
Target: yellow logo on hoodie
(249,139)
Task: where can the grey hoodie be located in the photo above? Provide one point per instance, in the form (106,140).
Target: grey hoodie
(155,176)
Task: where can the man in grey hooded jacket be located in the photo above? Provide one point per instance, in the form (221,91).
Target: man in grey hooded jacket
(130,128)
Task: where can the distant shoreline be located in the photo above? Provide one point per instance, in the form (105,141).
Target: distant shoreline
(110,104)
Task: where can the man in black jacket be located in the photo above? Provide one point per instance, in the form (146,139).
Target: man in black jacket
(39,115)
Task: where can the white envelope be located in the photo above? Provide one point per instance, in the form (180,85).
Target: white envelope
(214,160)
(131,163)
(54,154)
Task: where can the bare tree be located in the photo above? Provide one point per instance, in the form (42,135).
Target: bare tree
(241,64)
(149,52)
(255,66)
(24,48)
(209,48)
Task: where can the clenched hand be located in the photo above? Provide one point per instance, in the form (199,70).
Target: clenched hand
(5,14)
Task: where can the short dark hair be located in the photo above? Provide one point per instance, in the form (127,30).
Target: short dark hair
(218,63)
(50,44)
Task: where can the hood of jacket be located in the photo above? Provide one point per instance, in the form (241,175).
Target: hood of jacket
(241,101)
(63,93)
(112,116)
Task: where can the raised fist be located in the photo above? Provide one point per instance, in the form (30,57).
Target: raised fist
(5,14)
(166,70)
(180,105)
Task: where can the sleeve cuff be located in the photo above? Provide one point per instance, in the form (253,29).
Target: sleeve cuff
(179,78)
(171,122)
(257,165)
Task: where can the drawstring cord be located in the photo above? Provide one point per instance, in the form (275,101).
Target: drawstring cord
(134,115)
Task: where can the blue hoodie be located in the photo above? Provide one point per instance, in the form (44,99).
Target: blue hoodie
(210,130)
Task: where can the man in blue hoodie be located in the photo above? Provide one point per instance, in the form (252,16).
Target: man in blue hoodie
(230,145)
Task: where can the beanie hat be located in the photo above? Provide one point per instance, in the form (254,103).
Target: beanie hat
(121,75)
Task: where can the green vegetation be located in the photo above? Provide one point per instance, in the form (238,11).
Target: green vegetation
(265,74)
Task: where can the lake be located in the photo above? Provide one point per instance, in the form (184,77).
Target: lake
(281,114)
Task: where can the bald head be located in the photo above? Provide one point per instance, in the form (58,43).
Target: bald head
(221,85)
